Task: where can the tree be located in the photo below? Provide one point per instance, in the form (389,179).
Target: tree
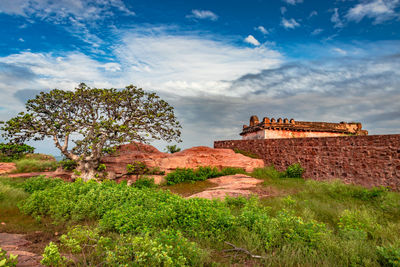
(172,149)
(95,120)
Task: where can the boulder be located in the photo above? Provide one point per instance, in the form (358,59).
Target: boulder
(190,158)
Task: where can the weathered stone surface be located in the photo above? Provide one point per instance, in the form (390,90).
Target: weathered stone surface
(7,167)
(189,158)
(365,160)
(230,185)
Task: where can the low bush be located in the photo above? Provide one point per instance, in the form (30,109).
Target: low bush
(40,183)
(267,172)
(389,256)
(294,171)
(200,174)
(143,182)
(33,165)
(8,261)
(165,248)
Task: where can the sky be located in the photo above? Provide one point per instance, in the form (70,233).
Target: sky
(216,62)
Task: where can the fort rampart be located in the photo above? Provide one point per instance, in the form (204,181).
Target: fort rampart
(365,160)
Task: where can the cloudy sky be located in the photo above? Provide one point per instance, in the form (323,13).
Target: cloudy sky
(216,62)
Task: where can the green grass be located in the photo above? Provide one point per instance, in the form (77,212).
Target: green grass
(308,223)
(35,165)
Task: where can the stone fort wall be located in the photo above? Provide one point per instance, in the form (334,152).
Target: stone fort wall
(365,160)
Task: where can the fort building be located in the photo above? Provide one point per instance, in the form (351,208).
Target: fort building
(284,128)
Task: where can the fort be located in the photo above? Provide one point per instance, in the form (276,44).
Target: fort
(284,128)
(325,150)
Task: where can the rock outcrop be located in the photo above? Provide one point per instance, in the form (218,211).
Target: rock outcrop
(7,167)
(189,158)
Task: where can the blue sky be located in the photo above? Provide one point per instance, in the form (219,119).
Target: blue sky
(217,62)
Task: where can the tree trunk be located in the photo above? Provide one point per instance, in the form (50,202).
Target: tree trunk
(86,170)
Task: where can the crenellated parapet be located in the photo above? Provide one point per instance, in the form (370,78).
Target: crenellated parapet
(286,128)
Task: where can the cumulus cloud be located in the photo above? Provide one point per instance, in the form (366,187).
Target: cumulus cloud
(378,10)
(336,20)
(293,2)
(262,29)
(312,14)
(251,40)
(203,14)
(290,23)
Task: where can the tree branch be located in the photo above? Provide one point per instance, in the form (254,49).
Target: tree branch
(237,249)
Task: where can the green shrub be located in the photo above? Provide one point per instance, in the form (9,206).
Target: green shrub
(68,164)
(200,174)
(246,153)
(10,151)
(40,183)
(52,257)
(33,165)
(389,256)
(267,172)
(38,156)
(11,260)
(144,182)
(165,248)
(294,171)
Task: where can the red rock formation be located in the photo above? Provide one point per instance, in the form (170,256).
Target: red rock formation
(189,158)
(6,167)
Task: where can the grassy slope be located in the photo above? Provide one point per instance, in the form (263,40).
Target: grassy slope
(359,220)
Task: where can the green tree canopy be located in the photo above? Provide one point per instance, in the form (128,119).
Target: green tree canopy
(94,120)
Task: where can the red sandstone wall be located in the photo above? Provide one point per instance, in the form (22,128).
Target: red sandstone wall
(262,134)
(366,160)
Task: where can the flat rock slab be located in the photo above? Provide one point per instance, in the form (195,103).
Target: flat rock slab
(230,185)
(16,244)
(6,167)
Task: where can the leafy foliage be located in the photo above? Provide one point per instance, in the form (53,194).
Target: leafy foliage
(39,183)
(14,151)
(143,182)
(11,260)
(200,174)
(165,248)
(389,256)
(102,118)
(173,149)
(52,257)
(294,171)
(68,164)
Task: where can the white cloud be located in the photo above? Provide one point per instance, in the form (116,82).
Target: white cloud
(312,14)
(292,2)
(317,31)
(77,16)
(251,40)
(379,10)
(283,10)
(339,51)
(337,22)
(61,10)
(21,40)
(262,29)
(203,14)
(289,24)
